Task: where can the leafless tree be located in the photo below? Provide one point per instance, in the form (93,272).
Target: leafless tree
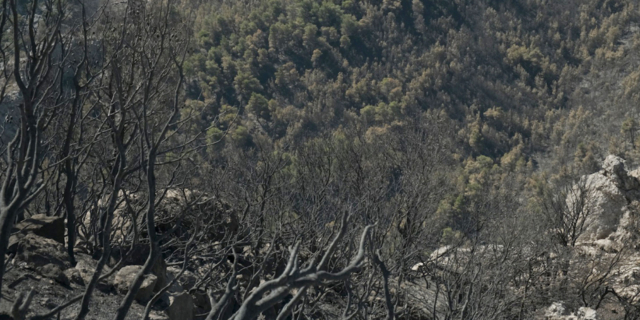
(567,210)
(37,80)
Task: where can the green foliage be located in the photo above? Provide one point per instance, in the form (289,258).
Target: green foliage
(287,72)
(259,106)
(449,236)
(499,62)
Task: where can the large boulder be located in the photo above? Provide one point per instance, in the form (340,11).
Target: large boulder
(614,168)
(38,251)
(122,216)
(187,281)
(180,306)
(86,267)
(44,226)
(137,255)
(125,277)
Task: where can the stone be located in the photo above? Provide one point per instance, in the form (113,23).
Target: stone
(169,211)
(41,225)
(53,271)
(604,198)
(454,259)
(585,313)
(180,306)
(187,280)
(86,266)
(48,303)
(121,221)
(74,276)
(38,251)
(47,227)
(175,287)
(557,311)
(155,315)
(614,168)
(608,246)
(125,277)
(135,254)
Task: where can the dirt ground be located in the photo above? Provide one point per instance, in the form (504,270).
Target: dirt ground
(49,294)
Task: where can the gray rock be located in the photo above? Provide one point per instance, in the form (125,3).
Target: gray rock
(53,271)
(86,267)
(187,281)
(169,211)
(74,276)
(41,225)
(180,306)
(38,251)
(557,311)
(48,303)
(125,277)
(175,287)
(44,226)
(604,198)
(613,167)
(155,315)
(14,239)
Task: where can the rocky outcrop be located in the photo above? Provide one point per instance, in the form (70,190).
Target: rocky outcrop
(607,247)
(186,281)
(557,311)
(609,199)
(38,243)
(612,210)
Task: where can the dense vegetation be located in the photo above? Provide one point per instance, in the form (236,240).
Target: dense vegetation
(511,80)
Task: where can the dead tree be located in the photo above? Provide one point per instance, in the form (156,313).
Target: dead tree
(294,277)
(161,58)
(33,56)
(567,209)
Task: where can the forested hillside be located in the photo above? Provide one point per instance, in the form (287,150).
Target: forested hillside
(522,87)
(320,159)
